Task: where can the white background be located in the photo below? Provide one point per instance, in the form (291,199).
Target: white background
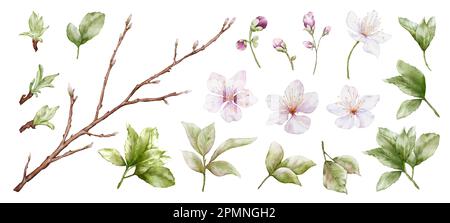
(86,177)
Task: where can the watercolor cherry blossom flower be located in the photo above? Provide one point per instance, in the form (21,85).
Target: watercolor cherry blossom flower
(288,108)
(229,96)
(367,31)
(310,26)
(257,25)
(354,111)
(280,46)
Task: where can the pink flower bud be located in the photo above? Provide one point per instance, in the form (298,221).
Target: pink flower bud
(259,23)
(326,30)
(241,44)
(309,22)
(308,44)
(279,45)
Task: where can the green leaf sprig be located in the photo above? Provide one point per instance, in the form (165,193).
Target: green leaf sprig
(397,150)
(38,83)
(202,140)
(42,117)
(37,29)
(90,26)
(335,171)
(411,81)
(423,33)
(287,170)
(143,156)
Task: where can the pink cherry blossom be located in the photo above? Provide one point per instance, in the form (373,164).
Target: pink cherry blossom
(288,108)
(309,22)
(241,44)
(229,96)
(354,111)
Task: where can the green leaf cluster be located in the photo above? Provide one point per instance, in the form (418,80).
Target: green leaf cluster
(143,156)
(287,170)
(41,81)
(397,150)
(411,81)
(335,171)
(423,33)
(89,27)
(44,115)
(202,140)
(37,28)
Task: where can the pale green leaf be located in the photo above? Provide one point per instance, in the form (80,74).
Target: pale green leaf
(73,34)
(193,161)
(386,157)
(205,139)
(387,179)
(431,28)
(408,107)
(44,115)
(334,177)
(113,156)
(150,158)
(230,144)
(298,164)
(192,132)
(423,36)
(91,25)
(222,168)
(286,175)
(274,157)
(130,146)
(409,25)
(403,146)
(348,163)
(426,145)
(158,177)
(386,138)
(411,81)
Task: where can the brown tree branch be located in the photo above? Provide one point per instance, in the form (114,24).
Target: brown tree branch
(73,99)
(70,152)
(26,126)
(127,101)
(25,97)
(102,135)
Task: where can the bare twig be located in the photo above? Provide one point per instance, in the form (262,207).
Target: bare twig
(127,101)
(175,51)
(26,126)
(73,99)
(70,152)
(102,135)
(25,97)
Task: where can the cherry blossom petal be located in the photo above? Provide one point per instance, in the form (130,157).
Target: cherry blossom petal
(297,124)
(309,103)
(216,83)
(368,102)
(213,103)
(353,22)
(245,98)
(349,96)
(380,37)
(371,46)
(275,103)
(365,118)
(294,93)
(277,118)
(347,121)
(370,23)
(237,82)
(356,36)
(338,109)
(231,112)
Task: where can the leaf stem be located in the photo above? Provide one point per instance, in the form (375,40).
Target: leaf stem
(204,174)
(412,172)
(425,59)
(78,52)
(251,48)
(123,177)
(263,181)
(348,59)
(290,60)
(432,108)
(411,179)
(325,154)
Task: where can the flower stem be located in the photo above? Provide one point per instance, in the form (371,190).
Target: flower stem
(425,59)
(325,154)
(290,60)
(432,108)
(263,181)
(123,177)
(348,59)
(316,49)
(411,179)
(251,48)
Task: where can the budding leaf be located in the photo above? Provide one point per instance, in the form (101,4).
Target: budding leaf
(90,26)
(44,115)
(40,82)
(37,29)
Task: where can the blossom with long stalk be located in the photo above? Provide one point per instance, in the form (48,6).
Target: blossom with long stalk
(310,25)
(258,24)
(280,46)
(367,31)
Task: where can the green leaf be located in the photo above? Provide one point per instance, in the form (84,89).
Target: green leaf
(348,163)
(91,25)
(192,132)
(44,115)
(150,158)
(286,175)
(222,168)
(386,158)
(205,139)
(73,34)
(412,144)
(411,81)
(386,138)
(431,28)
(158,177)
(298,164)
(408,107)
(403,146)
(254,41)
(293,58)
(193,161)
(334,177)
(40,82)
(36,26)
(274,157)
(426,145)
(130,146)
(387,179)
(113,156)
(230,144)
(423,35)
(408,25)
